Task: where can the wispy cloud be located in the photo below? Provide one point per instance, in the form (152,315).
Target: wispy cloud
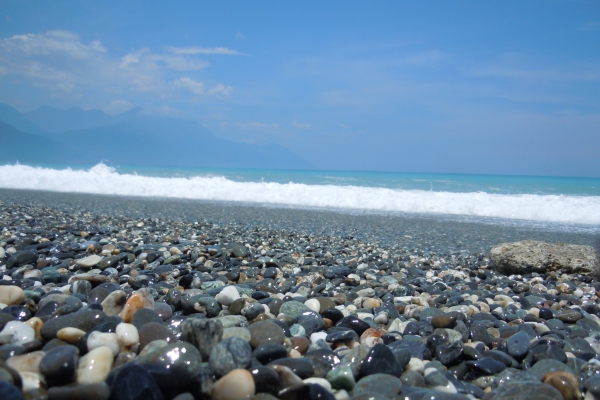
(202,50)
(240,36)
(61,62)
(251,125)
(300,125)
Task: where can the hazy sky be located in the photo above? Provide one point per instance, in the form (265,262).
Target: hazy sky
(419,86)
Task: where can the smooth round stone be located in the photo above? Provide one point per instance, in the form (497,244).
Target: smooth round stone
(569,316)
(29,362)
(383,384)
(354,323)
(108,262)
(341,377)
(544,351)
(127,336)
(237,384)
(163,310)
(313,304)
(9,391)
(380,360)
(17,332)
(518,344)
(154,331)
(265,353)
(592,384)
(266,380)
(323,360)
(333,314)
(70,335)
(544,367)
(139,300)
(171,365)
(265,332)
(236,306)
(228,295)
(84,320)
(50,275)
(144,316)
(98,339)
(565,383)
(59,365)
(525,391)
(300,344)
(254,310)
(230,354)
(93,391)
(239,250)
(449,354)
(135,383)
(11,350)
(11,295)
(113,303)
(293,309)
(444,320)
(98,294)
(20,313)
(299,366)
(487,365)
(412,378)
(95,365)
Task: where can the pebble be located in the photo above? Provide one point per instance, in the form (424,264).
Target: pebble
(159,310)
(238,384)
(95,365)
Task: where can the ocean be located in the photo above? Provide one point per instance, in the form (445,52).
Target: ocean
(437,211)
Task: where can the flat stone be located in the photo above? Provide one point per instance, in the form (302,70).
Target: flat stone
(11,295)
(376,384)
(265,332)
(544,367)
(518,344)
(88,262)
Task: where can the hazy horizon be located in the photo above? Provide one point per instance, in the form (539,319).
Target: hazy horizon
(429,87)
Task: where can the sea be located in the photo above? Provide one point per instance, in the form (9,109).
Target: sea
(554,208)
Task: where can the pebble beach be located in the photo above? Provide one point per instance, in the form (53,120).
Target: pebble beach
(126,298)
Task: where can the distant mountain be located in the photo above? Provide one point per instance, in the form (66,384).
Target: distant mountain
(14,118)
(134,139)
(27,148)
(55,120)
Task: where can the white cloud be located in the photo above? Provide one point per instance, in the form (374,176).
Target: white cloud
(302,126)
(62,62)
(190,85)
(220,90)
(240,36)
(118,107)
(203,50)
(255,125)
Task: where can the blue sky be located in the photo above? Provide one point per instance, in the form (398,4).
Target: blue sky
(507,87)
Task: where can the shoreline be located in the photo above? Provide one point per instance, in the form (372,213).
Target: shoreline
(435,232)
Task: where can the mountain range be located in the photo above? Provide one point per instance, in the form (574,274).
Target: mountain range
(75,136)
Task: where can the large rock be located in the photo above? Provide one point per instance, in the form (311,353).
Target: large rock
(530,256)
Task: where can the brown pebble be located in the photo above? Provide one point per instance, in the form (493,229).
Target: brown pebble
(565,383)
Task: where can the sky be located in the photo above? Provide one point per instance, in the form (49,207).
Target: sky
(509,87)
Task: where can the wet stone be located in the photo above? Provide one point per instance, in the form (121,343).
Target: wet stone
(59,365)
(172,365)
(299,366)
(380,360)
(229,354)
(546,366)
(383,384)
(265,332)
(518,344)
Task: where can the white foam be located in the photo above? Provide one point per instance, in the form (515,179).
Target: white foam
(105,180)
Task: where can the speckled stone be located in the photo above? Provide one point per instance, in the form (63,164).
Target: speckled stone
(230,354)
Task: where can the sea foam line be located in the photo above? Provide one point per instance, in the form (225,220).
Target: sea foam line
(102,179)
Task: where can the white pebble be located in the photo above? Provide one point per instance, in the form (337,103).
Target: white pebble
(127,335)
(98,339)
(313,304)
(17,332)
(95,365)
(317,335)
